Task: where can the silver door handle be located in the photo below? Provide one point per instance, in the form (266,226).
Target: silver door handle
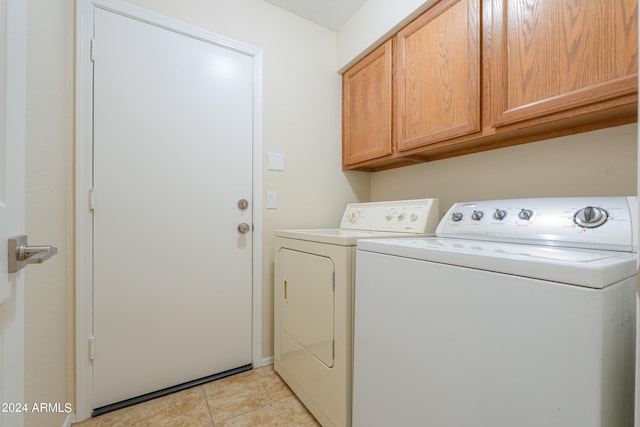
(244,228)
(21,254)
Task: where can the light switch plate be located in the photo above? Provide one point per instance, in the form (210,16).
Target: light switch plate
(276,161)
(272,200)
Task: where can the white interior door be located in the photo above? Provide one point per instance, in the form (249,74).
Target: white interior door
(172,157)
(12,207)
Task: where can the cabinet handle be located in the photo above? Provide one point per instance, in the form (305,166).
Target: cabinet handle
(285,290)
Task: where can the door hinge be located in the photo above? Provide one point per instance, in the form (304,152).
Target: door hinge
(92,348)
(92,199)
(93,49)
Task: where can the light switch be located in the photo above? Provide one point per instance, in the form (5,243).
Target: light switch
(272,200)
(276,161)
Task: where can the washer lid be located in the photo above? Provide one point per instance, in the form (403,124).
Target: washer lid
(583,267)
(338,236)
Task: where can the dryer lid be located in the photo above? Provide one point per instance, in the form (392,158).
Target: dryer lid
(341,237)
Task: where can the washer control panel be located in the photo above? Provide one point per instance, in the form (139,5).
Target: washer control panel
(401,216)
(590,222)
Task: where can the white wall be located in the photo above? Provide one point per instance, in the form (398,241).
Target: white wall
(374,22)
(49,309)
(601,162)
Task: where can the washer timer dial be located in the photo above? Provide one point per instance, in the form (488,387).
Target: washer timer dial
(591,217)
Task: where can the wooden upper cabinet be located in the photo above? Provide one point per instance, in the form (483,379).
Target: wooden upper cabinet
(438,75)
(474,75)
(550,56)
(366,107)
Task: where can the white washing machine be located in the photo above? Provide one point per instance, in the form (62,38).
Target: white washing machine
(313,310)
(518,313)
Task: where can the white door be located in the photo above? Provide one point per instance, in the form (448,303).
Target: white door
(12,200)
(172,158)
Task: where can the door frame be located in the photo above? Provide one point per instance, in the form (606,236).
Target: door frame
(84,178)
(13,51)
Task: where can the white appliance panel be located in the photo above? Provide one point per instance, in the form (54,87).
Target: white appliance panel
(583,267)
(325,390)
(441,345)
(547,221)
(401,216)
(308,302)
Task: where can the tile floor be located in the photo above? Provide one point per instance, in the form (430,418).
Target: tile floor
(253,398)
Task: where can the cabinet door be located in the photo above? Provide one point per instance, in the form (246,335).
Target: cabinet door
(438,75)
(366,107)
(553,55)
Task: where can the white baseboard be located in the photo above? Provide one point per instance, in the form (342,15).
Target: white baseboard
(267,361)
(71,418)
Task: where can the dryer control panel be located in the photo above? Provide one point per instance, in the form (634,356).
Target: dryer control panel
(400,216)
(582,222)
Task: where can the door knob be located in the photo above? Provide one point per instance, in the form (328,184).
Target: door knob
(243,204)
(21,254)
(244,228)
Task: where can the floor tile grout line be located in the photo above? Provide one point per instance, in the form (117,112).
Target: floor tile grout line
(290,395)
(206,401)
(240,414)
(250,410)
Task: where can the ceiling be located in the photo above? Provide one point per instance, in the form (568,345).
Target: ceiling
(331,14)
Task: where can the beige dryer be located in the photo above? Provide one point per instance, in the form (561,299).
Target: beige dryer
(314,282)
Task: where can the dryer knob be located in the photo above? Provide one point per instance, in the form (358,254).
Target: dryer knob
(456,216)
(591,217)
(390,214)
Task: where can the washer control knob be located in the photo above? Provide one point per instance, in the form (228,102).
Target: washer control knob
(525,214)
(477,215)
(591,217)
(500,214)
(401,216)
(456,216)
(413,217)
(353,216)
